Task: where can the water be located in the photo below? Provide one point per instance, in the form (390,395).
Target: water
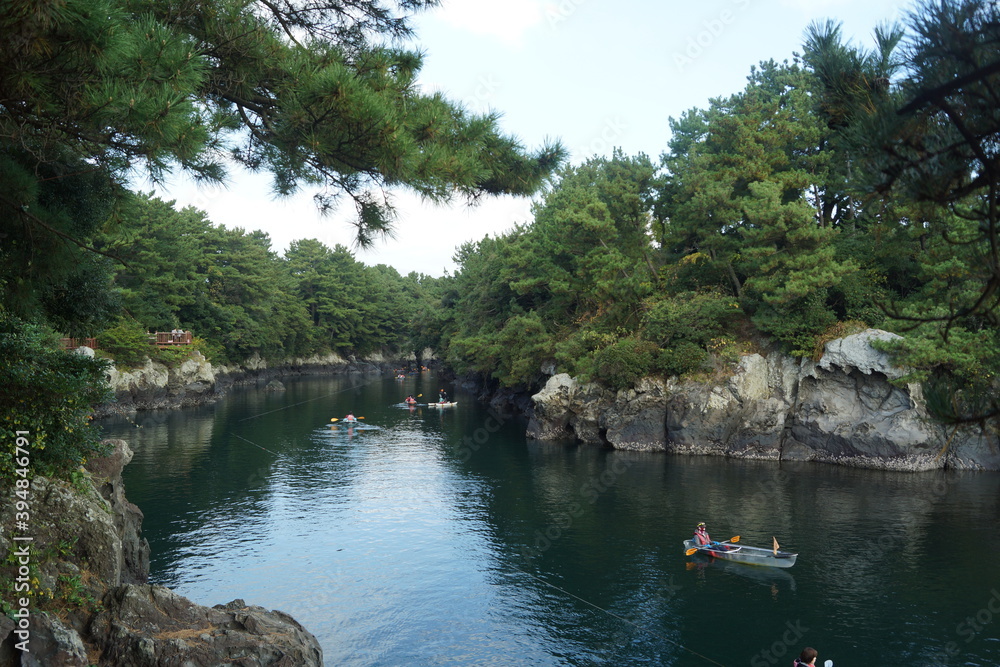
(441,537)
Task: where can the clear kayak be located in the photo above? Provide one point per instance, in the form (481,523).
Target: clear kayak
(442,405)
(740,553)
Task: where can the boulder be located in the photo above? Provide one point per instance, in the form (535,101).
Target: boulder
(151,626)
(91,605)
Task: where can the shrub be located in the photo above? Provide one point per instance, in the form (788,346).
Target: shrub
(126,342)
(50,394)
(684,357)
(620,364)
(696,317)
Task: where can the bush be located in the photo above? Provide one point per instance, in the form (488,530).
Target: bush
(697,317)
(126,342)
(682,358)
(620,364)
(50,394)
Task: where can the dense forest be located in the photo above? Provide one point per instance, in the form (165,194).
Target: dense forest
(846,187)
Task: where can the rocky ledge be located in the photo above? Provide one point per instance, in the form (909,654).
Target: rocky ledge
(89,604)
(844,409)
(197,381)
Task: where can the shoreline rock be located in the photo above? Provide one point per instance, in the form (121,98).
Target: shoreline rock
(90,601)
(155,386)
(843,409)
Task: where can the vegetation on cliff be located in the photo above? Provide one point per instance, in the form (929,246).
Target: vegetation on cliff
(845,187)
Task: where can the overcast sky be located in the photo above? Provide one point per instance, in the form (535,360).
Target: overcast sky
(595,74)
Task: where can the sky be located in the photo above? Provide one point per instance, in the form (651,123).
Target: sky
(594,74)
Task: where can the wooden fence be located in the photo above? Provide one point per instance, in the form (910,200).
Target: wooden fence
(170,338)
(73,343)
(159,339)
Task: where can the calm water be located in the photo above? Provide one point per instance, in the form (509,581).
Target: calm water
(442,537)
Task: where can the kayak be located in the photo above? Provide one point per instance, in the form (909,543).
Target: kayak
(442,405)
(740,553)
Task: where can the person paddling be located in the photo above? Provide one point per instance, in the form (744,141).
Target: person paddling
(350,418)
(411,400)
(442,396)
(701,537)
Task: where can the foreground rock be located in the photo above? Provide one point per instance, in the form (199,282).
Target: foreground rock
(152,625)
(842,409)
(90,604)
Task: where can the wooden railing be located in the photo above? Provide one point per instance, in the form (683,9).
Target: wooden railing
(159,339)
(170,338)
(73,343)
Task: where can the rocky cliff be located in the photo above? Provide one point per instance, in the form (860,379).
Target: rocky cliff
(842,409)
(197,381)
(83,576)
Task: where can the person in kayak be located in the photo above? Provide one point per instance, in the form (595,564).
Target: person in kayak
(350,418)
(411,400)
(701,537)
(442,396)
(807,658)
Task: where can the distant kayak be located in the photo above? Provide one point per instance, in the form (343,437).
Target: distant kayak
(443,405)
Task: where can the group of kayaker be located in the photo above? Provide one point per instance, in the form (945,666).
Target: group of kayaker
(410,400)
(442,398)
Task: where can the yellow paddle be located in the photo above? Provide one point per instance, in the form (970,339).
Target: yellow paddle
(696,549)
(337,420)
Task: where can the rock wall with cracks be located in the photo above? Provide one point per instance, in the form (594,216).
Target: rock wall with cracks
(843,409)
(87,568)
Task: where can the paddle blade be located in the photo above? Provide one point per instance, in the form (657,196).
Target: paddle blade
(690,552)
(775,539)
(735,539)
(335,420)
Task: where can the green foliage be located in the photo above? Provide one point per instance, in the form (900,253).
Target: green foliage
(623,362)
(127,343)
(49,394)
(317,97)
(681,358)
(532,297)
(696,317)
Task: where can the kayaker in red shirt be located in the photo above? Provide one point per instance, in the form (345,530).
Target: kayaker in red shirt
(807,658)
(701,537)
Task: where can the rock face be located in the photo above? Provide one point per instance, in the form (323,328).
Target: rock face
(842,409)
(90,604)
(196,381)
(152,625)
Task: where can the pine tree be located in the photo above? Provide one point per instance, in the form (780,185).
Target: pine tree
(320,94)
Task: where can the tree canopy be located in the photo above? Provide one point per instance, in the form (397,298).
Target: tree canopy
(319,94)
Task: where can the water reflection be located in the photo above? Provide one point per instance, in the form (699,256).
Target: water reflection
(432,536)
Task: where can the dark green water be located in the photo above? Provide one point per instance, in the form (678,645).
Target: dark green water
(442,537)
